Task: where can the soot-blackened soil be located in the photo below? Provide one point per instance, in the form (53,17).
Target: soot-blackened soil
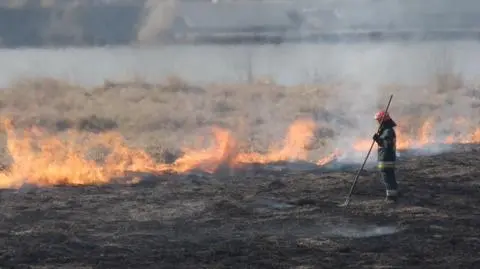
(261,220)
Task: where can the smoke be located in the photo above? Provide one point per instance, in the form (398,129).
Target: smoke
(417,71)
(159,16)
(427,78)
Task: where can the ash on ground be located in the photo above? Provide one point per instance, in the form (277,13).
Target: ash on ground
(265,220)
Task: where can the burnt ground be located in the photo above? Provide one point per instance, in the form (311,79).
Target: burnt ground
(273,219)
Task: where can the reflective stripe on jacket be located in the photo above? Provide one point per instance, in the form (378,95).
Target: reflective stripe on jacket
(383,165)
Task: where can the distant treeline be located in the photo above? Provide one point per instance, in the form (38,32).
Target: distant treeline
(96,25)
(101,25)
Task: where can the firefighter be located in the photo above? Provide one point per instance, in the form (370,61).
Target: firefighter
(386,141)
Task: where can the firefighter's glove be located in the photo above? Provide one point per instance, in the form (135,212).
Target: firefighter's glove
(376,137)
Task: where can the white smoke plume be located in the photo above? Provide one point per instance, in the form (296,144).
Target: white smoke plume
(427,78)
(159,15)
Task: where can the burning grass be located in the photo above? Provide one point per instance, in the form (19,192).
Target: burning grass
(58,133)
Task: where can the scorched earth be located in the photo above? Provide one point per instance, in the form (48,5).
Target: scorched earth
(110,190)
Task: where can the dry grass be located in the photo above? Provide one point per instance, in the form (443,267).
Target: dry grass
(209,222)
(165,116)
(162,115)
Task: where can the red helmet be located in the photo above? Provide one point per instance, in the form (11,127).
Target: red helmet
(382,115)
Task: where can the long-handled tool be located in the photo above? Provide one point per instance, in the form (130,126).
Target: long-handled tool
(347,201)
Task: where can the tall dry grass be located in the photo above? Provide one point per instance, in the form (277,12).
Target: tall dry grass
(166,116)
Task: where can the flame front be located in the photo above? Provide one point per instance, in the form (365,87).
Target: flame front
(44,160)
(426,135)
(50,160)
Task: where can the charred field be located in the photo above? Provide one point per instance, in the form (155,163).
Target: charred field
(127,175)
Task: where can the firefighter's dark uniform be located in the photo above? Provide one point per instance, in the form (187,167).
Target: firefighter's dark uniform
(386,140)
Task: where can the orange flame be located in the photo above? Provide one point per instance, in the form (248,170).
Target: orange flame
(49,160)
(426,135)
(222,152)
(43,160)
(294,146)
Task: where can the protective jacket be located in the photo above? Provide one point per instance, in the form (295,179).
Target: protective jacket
(387,148)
